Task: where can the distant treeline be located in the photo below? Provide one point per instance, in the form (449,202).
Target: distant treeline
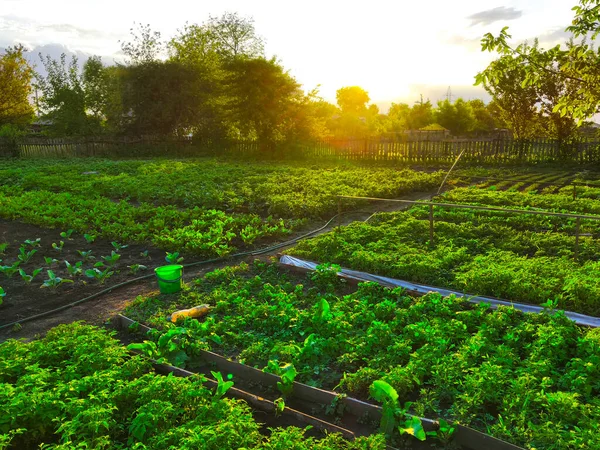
(212,80)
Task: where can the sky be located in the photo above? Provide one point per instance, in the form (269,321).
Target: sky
(395,50)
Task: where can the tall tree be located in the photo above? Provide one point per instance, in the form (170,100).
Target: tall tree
(457,117)
(74,100)
(145,45)
(16,77)
(264,100)
(578,62)
(235,35)
(515,103)
(352,100)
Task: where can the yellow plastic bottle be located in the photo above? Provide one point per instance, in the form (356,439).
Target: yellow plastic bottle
(195,312)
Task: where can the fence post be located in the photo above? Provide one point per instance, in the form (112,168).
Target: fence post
(431,225)
(577,225)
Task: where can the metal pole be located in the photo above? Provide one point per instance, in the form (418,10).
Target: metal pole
(577,225)
(431,225)
(339,219)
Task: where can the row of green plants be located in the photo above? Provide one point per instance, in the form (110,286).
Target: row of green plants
(283,190)
(78,387)
(533,380)
(197,230)
(519,257)
(204,207)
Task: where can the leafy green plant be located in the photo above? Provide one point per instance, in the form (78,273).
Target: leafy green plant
(222,385)
(53,282)
(89,238)
(386,394)
(135,268)
(86,255)
(173,258)
(287,372)
(112,259)
(66,234)
(9,271)
(99,275)
(74,269)
(3,247)
(50,261)
(145,254)
(25,256)
(2,295)
(29,278)
(58,247)
(32,242)
(118,247)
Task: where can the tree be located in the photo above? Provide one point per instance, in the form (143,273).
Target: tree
(420,115)
(579,63)
(515,103)
(165,98)
(145,47)
(235,36)
(264,100)
(15,87)
(352,100)
(457,117)
(75,101)
(195,44)
(484,118)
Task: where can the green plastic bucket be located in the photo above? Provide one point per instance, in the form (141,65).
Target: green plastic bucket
(169,278)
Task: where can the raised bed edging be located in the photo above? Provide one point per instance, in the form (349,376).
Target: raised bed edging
(464,436)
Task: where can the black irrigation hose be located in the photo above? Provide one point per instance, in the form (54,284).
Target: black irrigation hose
(197,263)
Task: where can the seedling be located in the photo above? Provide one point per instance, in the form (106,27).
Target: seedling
(3,248)
(31,243)
(50,260)
(66,234)
(173,258)
(86,255)
(29,278)
(2,295)
(58,247)
(222,385)
(112,259)
(135,268)
(9,271)
(89,238)
(74,269)
(24,255)
(53,281)
(145,254)
(99,275)
(118,247)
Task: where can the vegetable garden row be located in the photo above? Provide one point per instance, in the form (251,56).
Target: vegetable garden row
(519,257)
(204,207)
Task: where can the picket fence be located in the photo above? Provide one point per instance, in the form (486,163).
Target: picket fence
(492,151)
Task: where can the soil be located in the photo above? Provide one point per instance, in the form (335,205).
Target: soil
(24,300)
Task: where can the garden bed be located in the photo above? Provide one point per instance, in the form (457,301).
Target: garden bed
(449,358)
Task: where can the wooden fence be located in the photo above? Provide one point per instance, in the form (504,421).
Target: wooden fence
(482,151)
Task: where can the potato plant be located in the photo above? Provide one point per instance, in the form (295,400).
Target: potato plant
(89,392)
(531,379)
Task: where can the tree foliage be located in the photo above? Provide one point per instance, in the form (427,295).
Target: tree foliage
(572,69)
(16,76)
